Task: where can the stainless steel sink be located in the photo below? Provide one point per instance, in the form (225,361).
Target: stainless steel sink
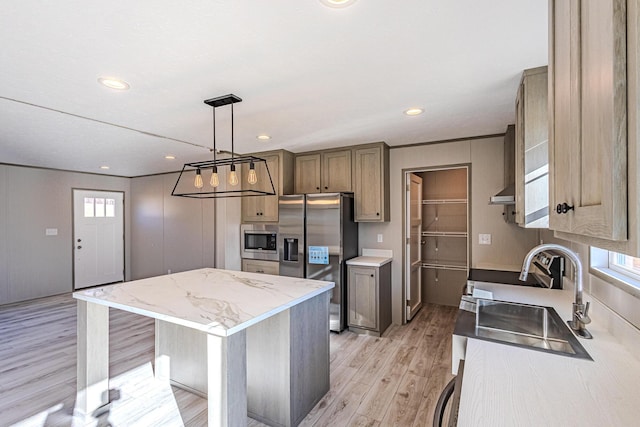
(524,325)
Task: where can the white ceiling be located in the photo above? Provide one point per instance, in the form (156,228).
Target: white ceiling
(310,76)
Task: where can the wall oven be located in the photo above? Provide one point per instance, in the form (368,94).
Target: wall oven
(259,241)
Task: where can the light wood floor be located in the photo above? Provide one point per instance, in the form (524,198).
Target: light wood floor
(393,380)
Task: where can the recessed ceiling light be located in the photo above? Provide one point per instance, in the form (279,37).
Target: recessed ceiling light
(104,167)
(337,3)
(413,111)
(170,157)
(113,83)
(263,137)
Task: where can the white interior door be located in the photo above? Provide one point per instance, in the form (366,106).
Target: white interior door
(98,237)
(413,286)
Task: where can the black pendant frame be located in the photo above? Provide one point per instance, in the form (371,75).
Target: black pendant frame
(201,193)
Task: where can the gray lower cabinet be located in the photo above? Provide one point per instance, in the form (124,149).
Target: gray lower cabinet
(369,297)
(260,266)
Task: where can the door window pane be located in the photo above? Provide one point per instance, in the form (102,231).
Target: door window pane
(88,207)
(110,208)
(99,207)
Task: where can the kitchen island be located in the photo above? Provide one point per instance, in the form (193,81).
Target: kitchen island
(254,344)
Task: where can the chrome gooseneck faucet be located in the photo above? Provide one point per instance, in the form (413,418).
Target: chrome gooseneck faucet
(580,310)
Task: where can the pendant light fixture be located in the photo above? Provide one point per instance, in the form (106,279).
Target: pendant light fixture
(191,184)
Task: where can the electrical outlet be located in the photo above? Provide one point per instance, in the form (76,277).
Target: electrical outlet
(484,239)
(379,238)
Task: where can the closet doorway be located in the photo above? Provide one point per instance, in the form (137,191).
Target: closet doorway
(436,236)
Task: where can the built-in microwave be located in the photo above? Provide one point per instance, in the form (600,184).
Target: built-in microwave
(259,241)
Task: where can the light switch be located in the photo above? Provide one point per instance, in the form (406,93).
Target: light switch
(484,239)
(51,232)
(379,238)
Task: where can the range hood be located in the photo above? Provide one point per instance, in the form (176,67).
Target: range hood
(505,197)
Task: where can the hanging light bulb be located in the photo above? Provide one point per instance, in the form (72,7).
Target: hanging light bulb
(215,181)
(253,178)
(198,181)
(233,176)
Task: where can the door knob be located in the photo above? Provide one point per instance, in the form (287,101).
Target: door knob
(563,208)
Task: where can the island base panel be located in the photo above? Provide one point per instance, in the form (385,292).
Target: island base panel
(310,354)
(93,359)
(288,354)
(181,357)
(287,361)
(227,380)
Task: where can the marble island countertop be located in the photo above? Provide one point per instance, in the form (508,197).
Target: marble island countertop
(219,302)
(506,386)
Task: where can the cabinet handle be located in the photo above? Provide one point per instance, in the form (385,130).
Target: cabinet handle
(377,213)
(563,208)
(317,188)
(372,275)
(326,188)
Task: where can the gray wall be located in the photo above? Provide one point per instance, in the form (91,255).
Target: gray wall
(510,243)
(161,232)
(169,233)
(33,265)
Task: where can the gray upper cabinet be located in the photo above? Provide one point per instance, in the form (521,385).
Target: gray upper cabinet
(588,120)
(532,150)
(336,171)
(323,172)
(371,183)
(307,174)
(363,169)
(265,208)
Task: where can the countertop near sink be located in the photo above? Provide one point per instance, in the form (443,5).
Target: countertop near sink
(508,386)
(501,276)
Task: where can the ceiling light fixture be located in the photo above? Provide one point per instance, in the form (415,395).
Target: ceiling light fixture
(191,175)
(170,157)
(263,137)
(104,167)
(413,111)
(113,83)
(337,3)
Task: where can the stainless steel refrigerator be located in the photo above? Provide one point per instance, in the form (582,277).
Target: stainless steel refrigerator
(316,235)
